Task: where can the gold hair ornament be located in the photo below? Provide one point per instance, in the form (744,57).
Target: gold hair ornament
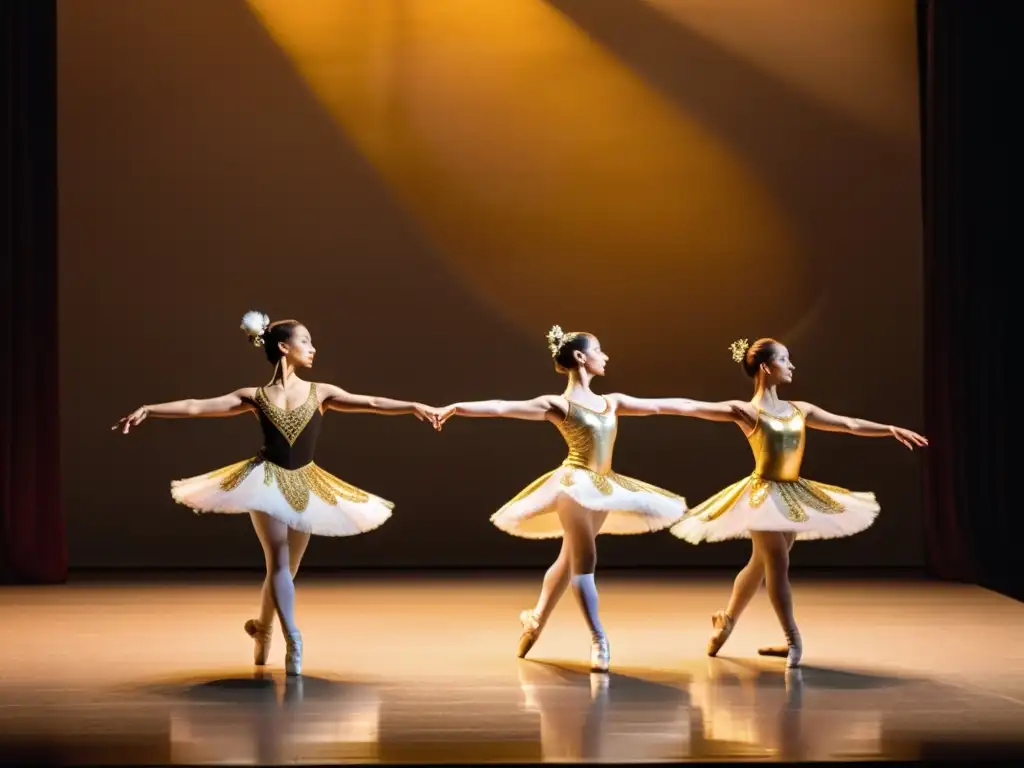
(557,338)
(739,350)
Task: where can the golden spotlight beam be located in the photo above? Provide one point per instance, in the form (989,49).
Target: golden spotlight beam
(546,173)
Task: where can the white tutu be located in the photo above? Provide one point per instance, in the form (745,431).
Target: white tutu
(307,499)
(807,508)
(633,506)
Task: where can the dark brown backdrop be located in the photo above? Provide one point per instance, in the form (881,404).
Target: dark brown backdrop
(668,181)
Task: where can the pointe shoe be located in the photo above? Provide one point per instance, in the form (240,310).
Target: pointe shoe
(795,649)
(775,651)
(293,655)
(723,625)
(600,654)
(261,636)
(531,632)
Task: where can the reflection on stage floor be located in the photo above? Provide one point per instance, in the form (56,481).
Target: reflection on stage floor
(155,673)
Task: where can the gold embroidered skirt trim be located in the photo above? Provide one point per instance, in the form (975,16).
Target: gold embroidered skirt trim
(308,498)
(633,506)
(296,485)
(806,508)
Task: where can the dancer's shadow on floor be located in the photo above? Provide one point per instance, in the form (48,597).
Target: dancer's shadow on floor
(265,716)
(773,673)
(815,713)
(258,686)
(603,716)
(812,713)
(262,687)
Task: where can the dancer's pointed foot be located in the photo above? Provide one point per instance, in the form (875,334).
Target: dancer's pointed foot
(796,648)
(261,638)
(531,632)
(600,654)
(293,655)
(723,624)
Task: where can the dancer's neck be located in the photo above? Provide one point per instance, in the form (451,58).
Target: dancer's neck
(284,375)
(767,398)
(579,384)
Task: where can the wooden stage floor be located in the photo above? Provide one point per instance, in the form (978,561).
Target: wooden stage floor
(421,668)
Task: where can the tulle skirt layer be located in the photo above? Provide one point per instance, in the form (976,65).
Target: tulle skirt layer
(807,508)
(633,506)
(307,499)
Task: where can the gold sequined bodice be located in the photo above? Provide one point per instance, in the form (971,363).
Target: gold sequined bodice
(778,445)
(590,437)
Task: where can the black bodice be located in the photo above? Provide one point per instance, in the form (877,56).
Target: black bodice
(289,436)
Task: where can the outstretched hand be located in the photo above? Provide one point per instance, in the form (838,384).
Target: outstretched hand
(908,438)
(433,416)
(444,414)
(133,419)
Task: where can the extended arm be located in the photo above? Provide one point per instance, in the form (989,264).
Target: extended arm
(735,411)
(819,418)
(537,409)
(239,401)
(337,399)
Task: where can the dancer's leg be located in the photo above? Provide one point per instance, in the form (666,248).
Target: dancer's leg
(273,536)
(747,582)
(581,527)
(297,543)
(744,587)
(552,588)
(775,548)
(779,651)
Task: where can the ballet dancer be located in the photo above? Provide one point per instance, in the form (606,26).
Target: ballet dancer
(775,506)
(583,497)
(287,496)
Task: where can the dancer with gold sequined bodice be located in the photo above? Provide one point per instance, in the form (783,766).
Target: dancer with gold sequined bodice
(584,496)
(774,506)
(287,496)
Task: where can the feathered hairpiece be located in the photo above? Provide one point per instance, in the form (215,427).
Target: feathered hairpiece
(557,338)
(255,324)
(739,350)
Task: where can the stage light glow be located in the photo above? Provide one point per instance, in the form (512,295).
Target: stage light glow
(545,172)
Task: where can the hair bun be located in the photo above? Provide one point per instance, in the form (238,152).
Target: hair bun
(739,350)
(255,325)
